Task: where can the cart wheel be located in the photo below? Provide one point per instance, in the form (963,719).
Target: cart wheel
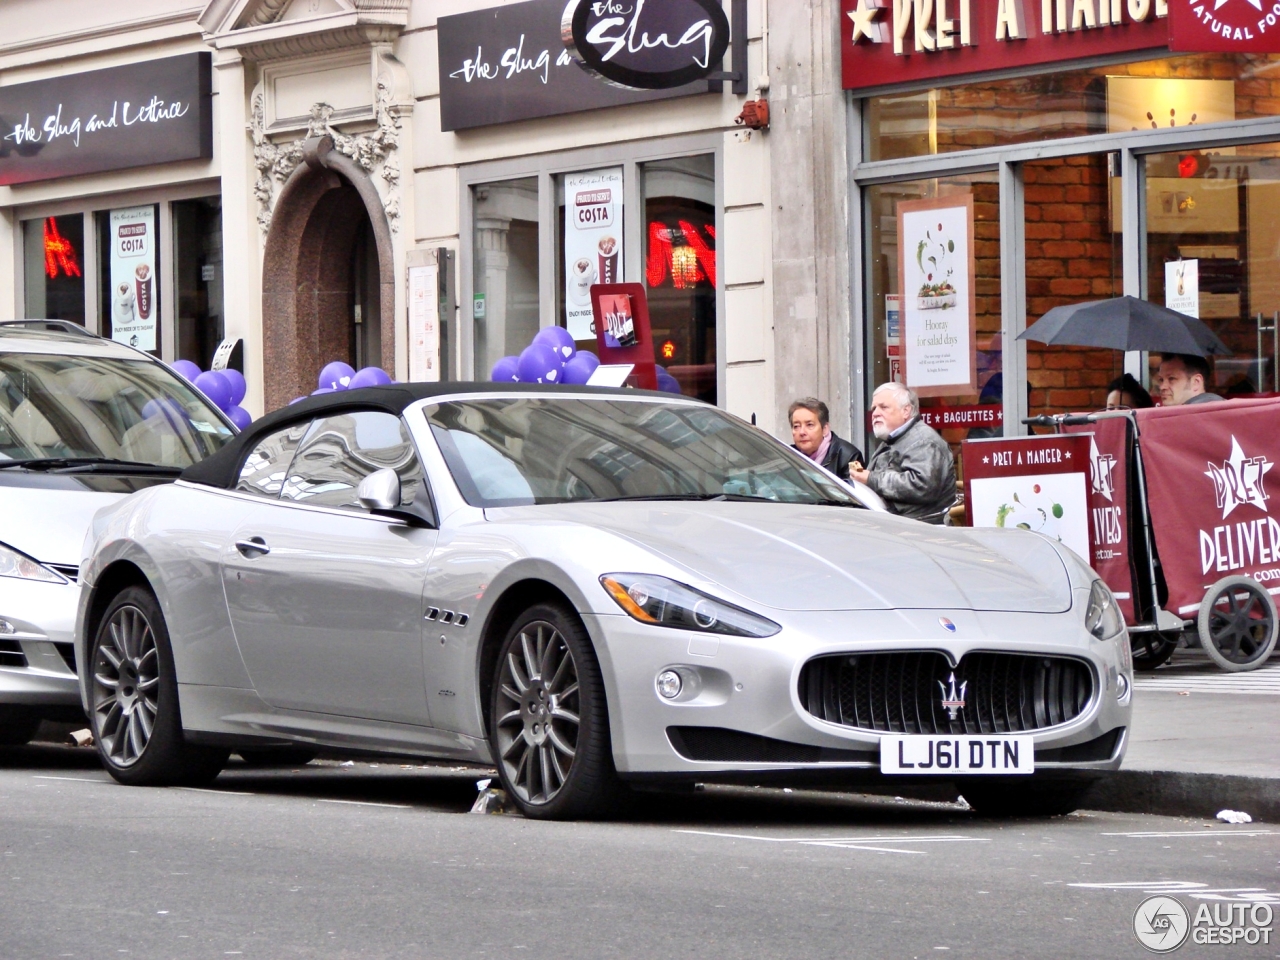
(1237,624)
(1151,649)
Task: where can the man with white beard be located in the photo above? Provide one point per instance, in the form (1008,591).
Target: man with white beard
(912,469)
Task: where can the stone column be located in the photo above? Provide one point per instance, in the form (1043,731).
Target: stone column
(490,270)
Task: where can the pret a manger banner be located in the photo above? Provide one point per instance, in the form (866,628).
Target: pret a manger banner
(1208,470)
(1110,552)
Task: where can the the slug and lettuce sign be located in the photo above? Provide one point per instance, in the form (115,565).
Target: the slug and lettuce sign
(543,58)
(156,111)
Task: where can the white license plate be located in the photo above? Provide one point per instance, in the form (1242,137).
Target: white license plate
(951,755)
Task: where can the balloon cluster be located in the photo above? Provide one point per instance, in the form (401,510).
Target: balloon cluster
(338,376)
(553,357)
(223,388)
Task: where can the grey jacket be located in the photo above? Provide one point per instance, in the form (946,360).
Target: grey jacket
(915,473)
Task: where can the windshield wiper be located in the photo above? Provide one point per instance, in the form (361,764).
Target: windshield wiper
(90,465)
(700,497)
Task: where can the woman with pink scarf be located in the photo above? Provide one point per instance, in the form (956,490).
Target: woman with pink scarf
(812,435)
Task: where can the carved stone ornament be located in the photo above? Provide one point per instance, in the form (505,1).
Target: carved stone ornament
(374,152)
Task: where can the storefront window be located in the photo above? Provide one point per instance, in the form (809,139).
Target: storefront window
(1213,237)
(1169,92)
(505,269)
(1072,255)
(53,261)
(942,297)
(197,238)
(681,268)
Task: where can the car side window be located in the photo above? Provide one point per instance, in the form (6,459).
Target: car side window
(341,450)
(265,469)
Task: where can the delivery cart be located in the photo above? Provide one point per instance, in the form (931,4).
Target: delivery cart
(1180,524)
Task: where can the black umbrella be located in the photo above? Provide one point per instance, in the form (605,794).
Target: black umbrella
(1125,323)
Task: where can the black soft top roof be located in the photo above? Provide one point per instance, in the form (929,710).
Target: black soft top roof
(223,468)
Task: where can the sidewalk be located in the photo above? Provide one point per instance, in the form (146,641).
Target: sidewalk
(1202,741)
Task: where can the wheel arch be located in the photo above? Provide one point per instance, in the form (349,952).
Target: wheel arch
(116,576)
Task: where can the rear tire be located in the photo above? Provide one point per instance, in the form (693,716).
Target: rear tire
(1003,798)
(1238,624)
(18,724)
(134,692)
(549,726)
(1151,649)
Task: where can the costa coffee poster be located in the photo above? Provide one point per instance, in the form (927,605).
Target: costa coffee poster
(592,242)
(936,283)
(1208,472)
(1030,483)
(133,276)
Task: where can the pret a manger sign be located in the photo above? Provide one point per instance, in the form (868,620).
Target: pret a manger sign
(896,41)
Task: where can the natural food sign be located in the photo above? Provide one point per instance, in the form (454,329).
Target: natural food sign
(1031,483)
(936,274)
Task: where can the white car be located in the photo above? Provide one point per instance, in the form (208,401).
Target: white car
(585,588)
(84,422)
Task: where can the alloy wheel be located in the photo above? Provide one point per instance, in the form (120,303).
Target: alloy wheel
(126,686)
(538,712)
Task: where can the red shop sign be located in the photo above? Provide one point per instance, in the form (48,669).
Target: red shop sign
(1208,469)
(1236,26)
(971,415)
(887,42)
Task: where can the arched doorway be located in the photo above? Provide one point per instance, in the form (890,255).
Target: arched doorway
(328,277)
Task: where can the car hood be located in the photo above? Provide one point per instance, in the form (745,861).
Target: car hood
(46,515)
(795,557)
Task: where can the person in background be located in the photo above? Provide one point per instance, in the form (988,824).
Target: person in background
(1126,393)
(912,469)
(1183,378)
(812,435)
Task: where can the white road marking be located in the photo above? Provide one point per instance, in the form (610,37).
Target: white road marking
(227,793)
(362,803)
(1190,888)
(1264,681)
(74,779)
(870,844)
(1215,833)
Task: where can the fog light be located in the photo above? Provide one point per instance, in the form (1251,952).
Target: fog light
(669,684)
(6,628)
(1122,686)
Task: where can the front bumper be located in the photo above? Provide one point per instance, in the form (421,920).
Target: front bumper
(37,663)
(749,687)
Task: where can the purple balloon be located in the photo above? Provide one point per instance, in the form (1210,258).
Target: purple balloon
(216,387)
(369,377)
(238,387)
(240,417)
(298,400)
(667,382)
(539,364)
(163,407)
(579,369)
(559,340)
(323,390)
(506,370)
(187,369)
(336,375)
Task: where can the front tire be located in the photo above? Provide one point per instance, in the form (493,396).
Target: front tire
(1004,798)
(134,717)
(549,726)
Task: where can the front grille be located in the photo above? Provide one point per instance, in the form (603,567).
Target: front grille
(11,654)
(903,692)
(68,653)
(720,745)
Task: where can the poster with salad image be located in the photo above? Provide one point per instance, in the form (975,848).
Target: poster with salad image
(1039,484)
(936,280)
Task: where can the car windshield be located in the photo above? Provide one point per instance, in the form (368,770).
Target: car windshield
(515,451)
(55,407)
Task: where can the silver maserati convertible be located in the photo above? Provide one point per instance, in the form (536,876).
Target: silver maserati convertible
(592,590)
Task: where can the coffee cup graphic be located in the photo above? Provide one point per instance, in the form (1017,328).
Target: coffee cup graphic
(582,276)
(142,281)
(608,250)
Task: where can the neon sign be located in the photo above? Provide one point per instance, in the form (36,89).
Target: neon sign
(59,253)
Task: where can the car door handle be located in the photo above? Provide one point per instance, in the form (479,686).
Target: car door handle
(254,546)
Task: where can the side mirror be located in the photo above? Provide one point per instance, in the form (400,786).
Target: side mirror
(379,492)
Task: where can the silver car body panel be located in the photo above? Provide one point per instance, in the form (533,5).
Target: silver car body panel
(837,580)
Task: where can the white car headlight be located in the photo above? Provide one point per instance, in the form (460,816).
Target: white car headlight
(666,603)
(15,564)
(1102,615)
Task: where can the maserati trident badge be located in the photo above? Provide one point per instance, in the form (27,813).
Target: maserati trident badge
(947,625)
(953,699)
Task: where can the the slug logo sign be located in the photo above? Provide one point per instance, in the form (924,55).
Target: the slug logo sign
(647,44)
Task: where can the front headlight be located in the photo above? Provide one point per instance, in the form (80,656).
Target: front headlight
(15,564)
(1102,615)
(666,603)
